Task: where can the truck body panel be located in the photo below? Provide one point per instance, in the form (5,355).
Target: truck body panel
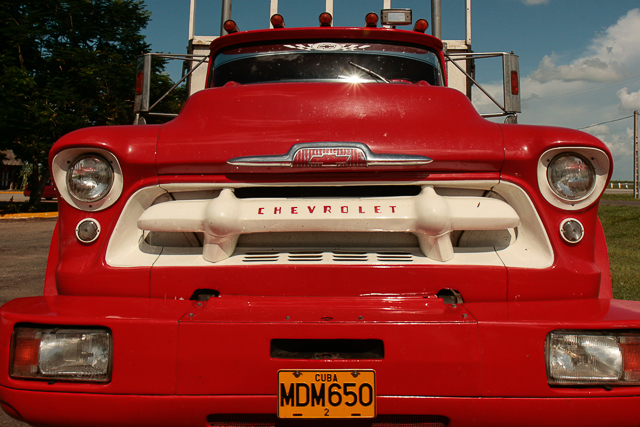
(318,225)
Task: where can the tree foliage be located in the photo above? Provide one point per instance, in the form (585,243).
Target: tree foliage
(66,64)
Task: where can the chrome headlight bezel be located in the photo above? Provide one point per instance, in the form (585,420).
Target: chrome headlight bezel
(61,168)
(598,163)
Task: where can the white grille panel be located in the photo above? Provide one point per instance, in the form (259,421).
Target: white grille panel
(506,231)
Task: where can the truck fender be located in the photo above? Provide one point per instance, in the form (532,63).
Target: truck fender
(601,257)
(50,288)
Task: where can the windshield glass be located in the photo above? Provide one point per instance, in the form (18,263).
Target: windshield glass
(327,62)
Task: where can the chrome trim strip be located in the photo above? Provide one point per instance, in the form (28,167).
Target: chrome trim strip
(371,158)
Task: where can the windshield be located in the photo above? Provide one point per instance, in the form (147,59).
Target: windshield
(327,62)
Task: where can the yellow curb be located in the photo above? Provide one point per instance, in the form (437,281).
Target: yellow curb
(11,192)
(30,215)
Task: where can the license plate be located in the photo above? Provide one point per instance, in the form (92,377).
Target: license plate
(326,394)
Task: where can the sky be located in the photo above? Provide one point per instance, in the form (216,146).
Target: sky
(579,59)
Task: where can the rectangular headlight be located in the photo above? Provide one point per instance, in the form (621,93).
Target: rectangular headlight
(588,357)
(61,354)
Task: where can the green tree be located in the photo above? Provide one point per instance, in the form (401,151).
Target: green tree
(65,64)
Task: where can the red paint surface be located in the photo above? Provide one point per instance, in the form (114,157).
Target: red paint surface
(180,362)
(168,359)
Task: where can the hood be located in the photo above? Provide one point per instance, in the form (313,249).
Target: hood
(219,124)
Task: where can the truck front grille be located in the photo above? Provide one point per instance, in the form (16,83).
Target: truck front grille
(331,256)
(460,223)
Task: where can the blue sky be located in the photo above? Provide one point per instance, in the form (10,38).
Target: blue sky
(579,59)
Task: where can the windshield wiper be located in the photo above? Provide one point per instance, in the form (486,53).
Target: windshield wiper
(368,71)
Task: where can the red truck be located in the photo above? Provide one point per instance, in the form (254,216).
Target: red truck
(327,235)
(49,192)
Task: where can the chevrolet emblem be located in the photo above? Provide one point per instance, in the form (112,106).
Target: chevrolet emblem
(330,155)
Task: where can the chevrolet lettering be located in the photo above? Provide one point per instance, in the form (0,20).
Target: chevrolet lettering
(293,210)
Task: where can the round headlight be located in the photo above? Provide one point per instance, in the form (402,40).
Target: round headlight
(90,178)
(571,176)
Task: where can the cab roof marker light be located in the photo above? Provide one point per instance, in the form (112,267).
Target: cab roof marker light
(230,26)
(277,21)
(325,19)
(371,20)
(421,26)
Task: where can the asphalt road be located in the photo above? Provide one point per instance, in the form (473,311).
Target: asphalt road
(16,197)
(24,246)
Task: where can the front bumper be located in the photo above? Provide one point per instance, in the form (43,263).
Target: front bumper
(186,363)
(73,409)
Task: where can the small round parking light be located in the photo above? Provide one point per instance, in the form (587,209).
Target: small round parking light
(571,230)
(88,230)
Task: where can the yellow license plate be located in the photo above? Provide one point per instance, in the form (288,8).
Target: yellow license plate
(326,394)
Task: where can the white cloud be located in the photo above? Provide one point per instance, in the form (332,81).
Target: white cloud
(600,85)
(616,142)
(619,146)
(599,130)
(591,69)
(629,101)
(612,56)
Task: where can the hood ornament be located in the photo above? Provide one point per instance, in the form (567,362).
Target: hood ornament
(330,155)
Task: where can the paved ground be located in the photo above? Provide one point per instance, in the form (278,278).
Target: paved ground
(24,247)
(23,250)
(16,196)
(6,196)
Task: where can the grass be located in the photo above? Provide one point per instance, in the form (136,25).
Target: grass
(623,197)
(622,229)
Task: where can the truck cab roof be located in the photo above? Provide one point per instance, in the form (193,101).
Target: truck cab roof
(327,54)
